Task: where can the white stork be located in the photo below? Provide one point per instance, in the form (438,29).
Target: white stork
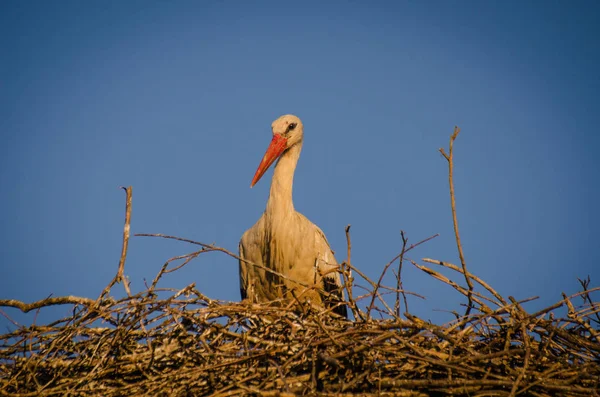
(283,239)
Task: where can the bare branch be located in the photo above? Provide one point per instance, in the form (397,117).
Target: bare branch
(399,287)
(450,158)
(63,300)
(120,276)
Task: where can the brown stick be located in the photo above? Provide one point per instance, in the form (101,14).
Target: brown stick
(572,315)
(399,286)
(376,287)
(376,290)
(349,279)
(521,315)
(471,276)
(450,158)
(585,283)
(120,277)
(62,300)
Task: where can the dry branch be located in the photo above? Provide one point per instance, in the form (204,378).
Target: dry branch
(120,276)
(450,158)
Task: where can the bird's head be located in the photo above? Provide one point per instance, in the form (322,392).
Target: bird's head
(287,132)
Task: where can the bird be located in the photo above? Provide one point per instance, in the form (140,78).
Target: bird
(284,256)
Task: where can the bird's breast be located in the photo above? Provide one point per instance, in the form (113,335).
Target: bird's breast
(289,245)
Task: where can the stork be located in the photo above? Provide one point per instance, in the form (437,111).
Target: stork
(285,241)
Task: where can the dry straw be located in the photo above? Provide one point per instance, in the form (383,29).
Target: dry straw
(186,344)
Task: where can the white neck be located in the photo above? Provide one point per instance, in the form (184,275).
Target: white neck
(280,201)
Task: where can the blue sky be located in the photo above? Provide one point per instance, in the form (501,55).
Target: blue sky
(177,98)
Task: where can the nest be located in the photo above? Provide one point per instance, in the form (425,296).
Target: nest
(181,343)
(188,344)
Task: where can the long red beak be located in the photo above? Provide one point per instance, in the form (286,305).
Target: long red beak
(277,146)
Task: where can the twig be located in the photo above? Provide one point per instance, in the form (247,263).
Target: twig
(378,285)
(415,245)
(374,293)
(8,317)
(521,316)
(562,302)
(573,316)
(450,158)
(349,279)
(474,295)
(586,296)
(164,269)
(399,278)
(62,300)
(471,276)
(120,277)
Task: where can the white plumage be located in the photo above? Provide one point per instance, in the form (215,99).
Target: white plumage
(283,239)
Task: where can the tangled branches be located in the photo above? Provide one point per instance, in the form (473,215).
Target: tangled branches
(188,344)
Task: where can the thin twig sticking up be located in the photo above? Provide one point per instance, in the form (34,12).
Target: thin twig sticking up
(120,277)
(450,159)
(399,286)
(349,279)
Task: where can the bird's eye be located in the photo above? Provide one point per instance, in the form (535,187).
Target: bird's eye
(291,126)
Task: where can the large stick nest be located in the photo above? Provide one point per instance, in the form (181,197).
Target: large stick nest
(188,344)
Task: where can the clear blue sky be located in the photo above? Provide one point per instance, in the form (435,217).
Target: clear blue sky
(177,98)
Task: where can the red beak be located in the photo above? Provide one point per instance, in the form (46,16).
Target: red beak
(275,149)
